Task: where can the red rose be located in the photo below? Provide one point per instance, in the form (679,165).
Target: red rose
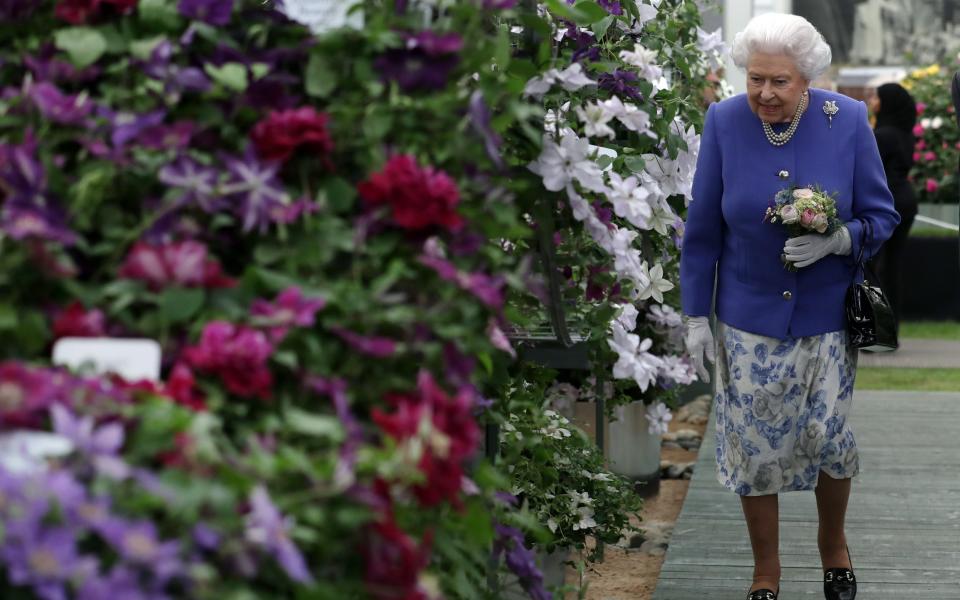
(419,197)
(282,132)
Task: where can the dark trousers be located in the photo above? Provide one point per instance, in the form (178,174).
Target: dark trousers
(888,261)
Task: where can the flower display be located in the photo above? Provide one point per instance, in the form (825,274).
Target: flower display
(936,151)
(418,197)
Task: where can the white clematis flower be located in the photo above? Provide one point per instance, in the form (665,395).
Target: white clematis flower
(632,117)
(595,118)
(644,60)
(657,284)
(630,200)
(658,415)
(559,164)
(571,79)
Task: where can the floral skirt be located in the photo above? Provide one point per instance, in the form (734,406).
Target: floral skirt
(781,411)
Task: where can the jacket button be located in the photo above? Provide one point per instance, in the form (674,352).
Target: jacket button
(783,174)
(787,295)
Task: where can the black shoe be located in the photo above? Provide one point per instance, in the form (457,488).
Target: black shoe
(840,584)
(764,594)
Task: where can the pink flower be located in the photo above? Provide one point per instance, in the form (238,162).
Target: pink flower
(917,156)
(378,347)
(486,288)
(918,130)
(807,217)
(929,156)
(289,309)
(957,145)
(183,264)
(819,223)
(25,395)
(920,145)
(419,197)
(921,106)
(789,214)
(236,354)
(498,338)
(76,321)
(932,185)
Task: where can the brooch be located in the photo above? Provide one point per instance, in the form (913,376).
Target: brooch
(830,108)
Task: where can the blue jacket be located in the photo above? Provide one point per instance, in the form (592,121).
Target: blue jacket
(738,174)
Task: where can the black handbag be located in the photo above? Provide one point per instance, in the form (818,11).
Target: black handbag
(871,324)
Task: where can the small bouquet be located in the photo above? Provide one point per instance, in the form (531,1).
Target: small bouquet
(804,210)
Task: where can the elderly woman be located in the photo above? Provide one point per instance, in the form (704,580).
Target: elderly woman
(784,369)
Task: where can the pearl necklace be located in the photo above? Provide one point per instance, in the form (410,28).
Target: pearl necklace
(779,139)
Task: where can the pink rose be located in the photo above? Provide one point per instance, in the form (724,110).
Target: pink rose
(921,145)
(789,214)
(918,130)
(806,219)
(917,156)
(801,193)
(921,106)
(929,156)
(819,223)
(932,185)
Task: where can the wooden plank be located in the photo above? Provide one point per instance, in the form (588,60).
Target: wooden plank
(903,524)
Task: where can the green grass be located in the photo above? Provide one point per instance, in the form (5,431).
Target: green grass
(928,231)
(931,330)
(912,380)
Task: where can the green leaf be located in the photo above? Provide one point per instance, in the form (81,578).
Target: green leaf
(319,77)
(634,163)
(83,45)
(377,124)
(323,426)
(259,70)
(232,76)
(143,48)
(600,28)
(161,13)
(8,317)
(179,304)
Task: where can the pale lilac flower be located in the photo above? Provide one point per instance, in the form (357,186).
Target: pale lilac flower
(487,288)
(268,529)
(30,221)
(498,338)
(712,46)
(677,370)
(627,317)
(630,199)
(568,161)
(644,60)
(196,182)
(658,416)
(656,285)
(570,79)
(634,361)
(664,315)
(100,444)
(121,582)
(256,190)
(480,120)
(595,118)
(632,117)
(128,126)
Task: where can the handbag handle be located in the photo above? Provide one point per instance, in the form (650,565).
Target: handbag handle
(866,232)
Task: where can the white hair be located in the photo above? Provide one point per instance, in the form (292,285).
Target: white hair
(790,35)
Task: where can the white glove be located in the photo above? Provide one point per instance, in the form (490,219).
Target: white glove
(807,249)
(699,343)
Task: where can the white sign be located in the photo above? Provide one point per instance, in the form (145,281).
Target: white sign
(132,359)
(322,16)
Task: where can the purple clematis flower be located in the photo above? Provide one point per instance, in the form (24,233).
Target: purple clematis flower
(268,529)
(520,560)
(480,120)
(176,79)
(168,137)
(100,444)
(138,543)
(486,288)
(255,189)
(196,183)
(45,560)
(58,107)
(499,4)
(336,389)
(424,63)
(211,12)
(46,65)
(621,83)
(22,177)
(24,221)
(128,126)
(121,582)
(15,10)
(375,346)
(612,6)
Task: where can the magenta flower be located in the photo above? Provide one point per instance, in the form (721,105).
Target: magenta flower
(289,309)
(378,347)
(255,190)
(236,354)
(25,395)
(211,12)
(23,222)
(932,185)
(488,289)
(268,529)
(499,4)
(185,264)
(58,107)
(918,130)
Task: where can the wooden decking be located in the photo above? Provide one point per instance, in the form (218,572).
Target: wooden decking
(903,524)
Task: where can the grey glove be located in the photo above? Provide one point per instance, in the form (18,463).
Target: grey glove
(805,250)
(699,342)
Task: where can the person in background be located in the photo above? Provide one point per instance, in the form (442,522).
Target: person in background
(896,114)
